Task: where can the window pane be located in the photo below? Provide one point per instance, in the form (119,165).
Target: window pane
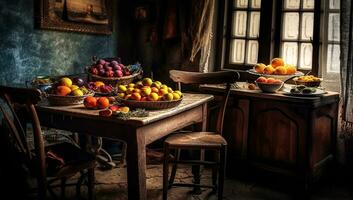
(256,3)
(334,27)
(239,28)
(252,49)
(333,58)
(307,26)
(237,51)
(306,55)
(308,4)
(254,24)
(290,52)
(241,3)
(335,4)
(291,26)
(291,4)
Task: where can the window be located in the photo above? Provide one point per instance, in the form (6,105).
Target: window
(244,45)
(281,28)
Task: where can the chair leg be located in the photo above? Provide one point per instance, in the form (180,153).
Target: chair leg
(90,184)
(222,166)
(215,171)
(174,169)
(62,187)
(78,185)
(165,172)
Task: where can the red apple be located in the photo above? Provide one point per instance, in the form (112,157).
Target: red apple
(271,80)
(261,80)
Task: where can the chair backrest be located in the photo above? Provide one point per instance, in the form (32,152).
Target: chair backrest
(24,98)
(227,77)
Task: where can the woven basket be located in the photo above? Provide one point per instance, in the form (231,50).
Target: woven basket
(56,100)
(113,80)
(307,83)
(150,105)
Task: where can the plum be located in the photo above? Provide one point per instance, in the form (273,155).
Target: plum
(79,81)
(108,68)
(117,67)
(107,64)
(101,61)
(114,62)
(101,72)
(118,73)
(94,70)
(99,66)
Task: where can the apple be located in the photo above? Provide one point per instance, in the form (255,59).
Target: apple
(116,67)
(261,80)
(108,68)
(114,62)
(136,96)
(277,81)
(146,90)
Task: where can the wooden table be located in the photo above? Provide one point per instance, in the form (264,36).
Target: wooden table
(136,132)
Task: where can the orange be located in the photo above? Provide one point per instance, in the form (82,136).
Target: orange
(63,90)
(276,62)
(90,102)
(103,102)
(98,84)
(269,69)
(291,69)
(259,68)
(280,70)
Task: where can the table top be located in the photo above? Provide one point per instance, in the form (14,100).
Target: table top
(243,91)
(189,101)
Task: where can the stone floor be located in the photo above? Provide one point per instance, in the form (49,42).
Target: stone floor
(111,185)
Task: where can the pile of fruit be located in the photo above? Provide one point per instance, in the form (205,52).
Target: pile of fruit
(104,103)
(301,89)
(100,87)
(307,78)
(268,80)
(112,68)
(276,67)
(148,90)
(66,86)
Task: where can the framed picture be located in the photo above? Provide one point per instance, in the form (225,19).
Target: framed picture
(85,16)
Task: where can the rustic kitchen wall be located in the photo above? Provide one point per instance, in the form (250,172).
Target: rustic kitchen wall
(26,52)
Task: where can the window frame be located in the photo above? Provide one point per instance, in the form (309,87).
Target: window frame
(270,36)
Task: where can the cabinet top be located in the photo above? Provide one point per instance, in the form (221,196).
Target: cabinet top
(327,98)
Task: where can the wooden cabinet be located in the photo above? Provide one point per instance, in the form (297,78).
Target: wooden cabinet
(283,134)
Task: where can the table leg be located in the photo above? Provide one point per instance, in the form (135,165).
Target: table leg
(136,166)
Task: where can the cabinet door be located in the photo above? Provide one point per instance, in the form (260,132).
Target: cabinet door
(276,134)
(236,127)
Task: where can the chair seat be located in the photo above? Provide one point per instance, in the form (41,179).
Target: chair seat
(74,160)
(196,140)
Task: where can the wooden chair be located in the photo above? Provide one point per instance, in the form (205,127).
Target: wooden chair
(49,163)
(199,140)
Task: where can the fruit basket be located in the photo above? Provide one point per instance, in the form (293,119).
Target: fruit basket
(308,80)
(280,77)
(150,105)
(57,100)
(112,71)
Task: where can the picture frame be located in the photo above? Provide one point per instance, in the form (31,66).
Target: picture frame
(84,16)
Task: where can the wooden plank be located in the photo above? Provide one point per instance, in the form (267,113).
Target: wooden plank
(189,101)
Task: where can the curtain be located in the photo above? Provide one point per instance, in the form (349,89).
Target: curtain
(346,70)
(197,35)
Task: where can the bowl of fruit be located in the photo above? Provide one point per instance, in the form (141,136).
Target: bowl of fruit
(308,80)
(277,69)
(112,71)
(101,89)
(67,92)
(148,94)
(269,85)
